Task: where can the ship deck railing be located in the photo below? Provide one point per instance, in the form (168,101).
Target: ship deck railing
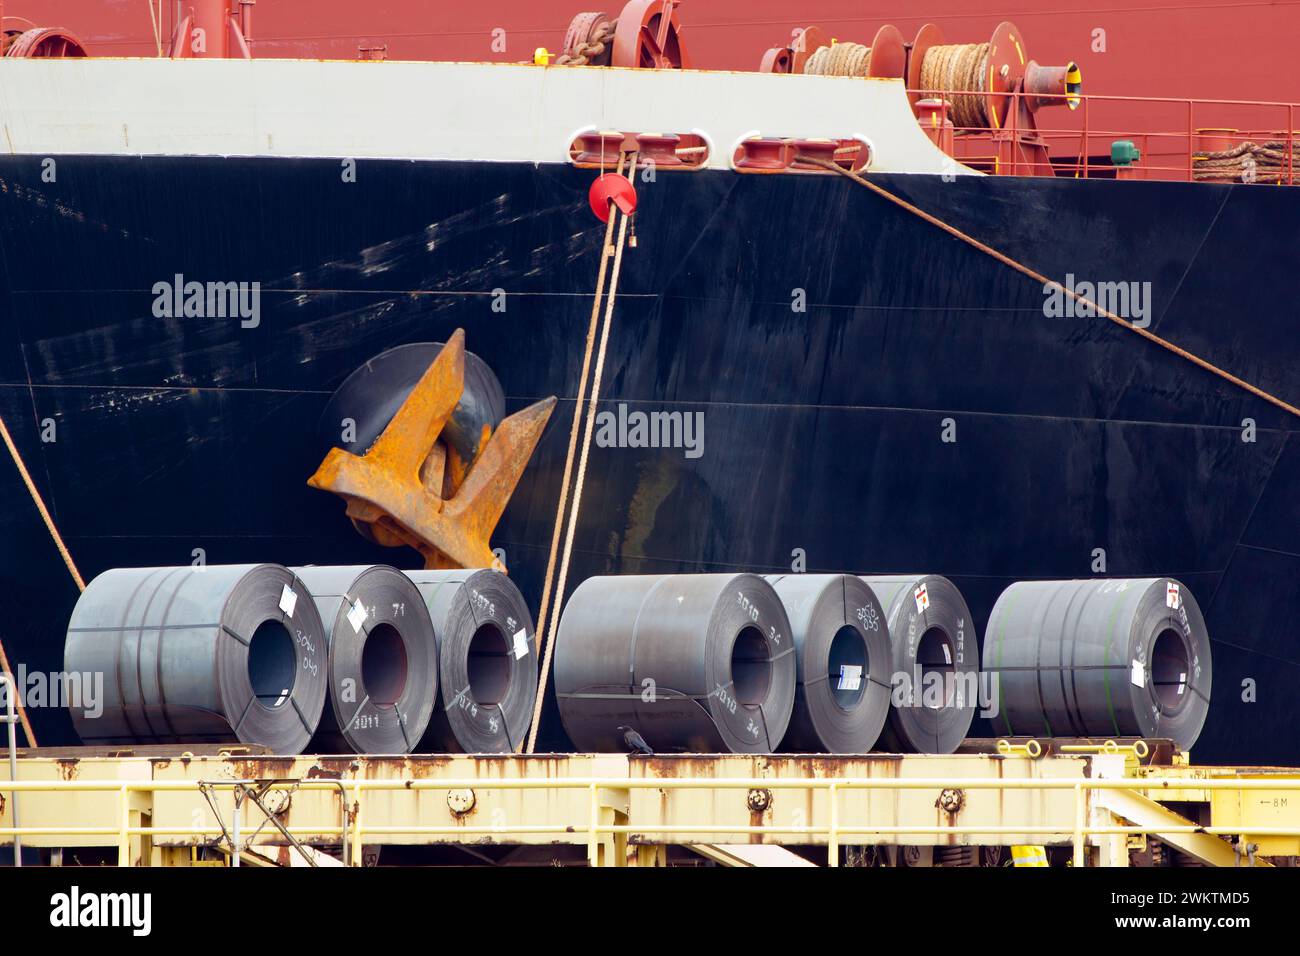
(1080,139)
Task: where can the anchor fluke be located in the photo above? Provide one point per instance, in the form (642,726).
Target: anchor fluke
(413,487)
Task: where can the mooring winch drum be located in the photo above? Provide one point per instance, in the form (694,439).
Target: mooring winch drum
(842,660)
(487,661)
(199,654)
(1105,657)
(701,663)
(383,661)
(935,661)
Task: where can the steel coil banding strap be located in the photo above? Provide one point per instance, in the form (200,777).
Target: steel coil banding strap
(383,662)
(935,663)
(1100,658)
(487,661)
(232,653)
(702,663)
(842,662)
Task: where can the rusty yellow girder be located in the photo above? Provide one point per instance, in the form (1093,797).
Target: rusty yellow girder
(406,488)
(729,806)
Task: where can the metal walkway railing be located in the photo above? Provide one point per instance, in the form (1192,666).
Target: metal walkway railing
(1177,151)
(353,829)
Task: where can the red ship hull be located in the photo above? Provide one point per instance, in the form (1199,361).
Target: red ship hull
(1202,49)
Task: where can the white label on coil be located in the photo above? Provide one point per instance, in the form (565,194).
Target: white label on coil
(922,597)
(288,600)
(1182,684)
(1172,597)
(357,616)
(1139,675)
(850,677)
(521,643)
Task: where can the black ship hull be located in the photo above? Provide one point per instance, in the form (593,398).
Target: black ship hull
(827,431)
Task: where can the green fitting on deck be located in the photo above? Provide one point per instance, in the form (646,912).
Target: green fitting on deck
(1124,153)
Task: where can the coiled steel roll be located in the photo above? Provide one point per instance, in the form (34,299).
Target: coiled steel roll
(214,654)
(1100,658)
(935,663)
(373,393)
(382,663)
(693,662)
(487,661)
(842,663)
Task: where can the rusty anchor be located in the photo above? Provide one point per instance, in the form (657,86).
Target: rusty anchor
(411,489)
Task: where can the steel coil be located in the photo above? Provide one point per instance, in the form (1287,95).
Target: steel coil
(694,662)
(213,654)
(842,663)
(372,394)
(1100,658)
(382,664)
(487,661)
(935,663)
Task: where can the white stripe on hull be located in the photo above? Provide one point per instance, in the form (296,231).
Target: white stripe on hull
(430,111)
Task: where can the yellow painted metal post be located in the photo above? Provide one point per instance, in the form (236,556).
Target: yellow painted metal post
(615,805)
(651,855)
(143,845)
(617,844)
(124,827)
(593,843)
(613,847)
(833,838)
(357,856)
(620,840)
(1079,824)
(1112,848)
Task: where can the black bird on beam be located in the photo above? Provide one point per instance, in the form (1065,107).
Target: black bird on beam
(634,742)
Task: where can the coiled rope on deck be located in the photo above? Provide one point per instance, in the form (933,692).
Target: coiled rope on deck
(839,59)
(1046,282)
(1247,162)
(959,73)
